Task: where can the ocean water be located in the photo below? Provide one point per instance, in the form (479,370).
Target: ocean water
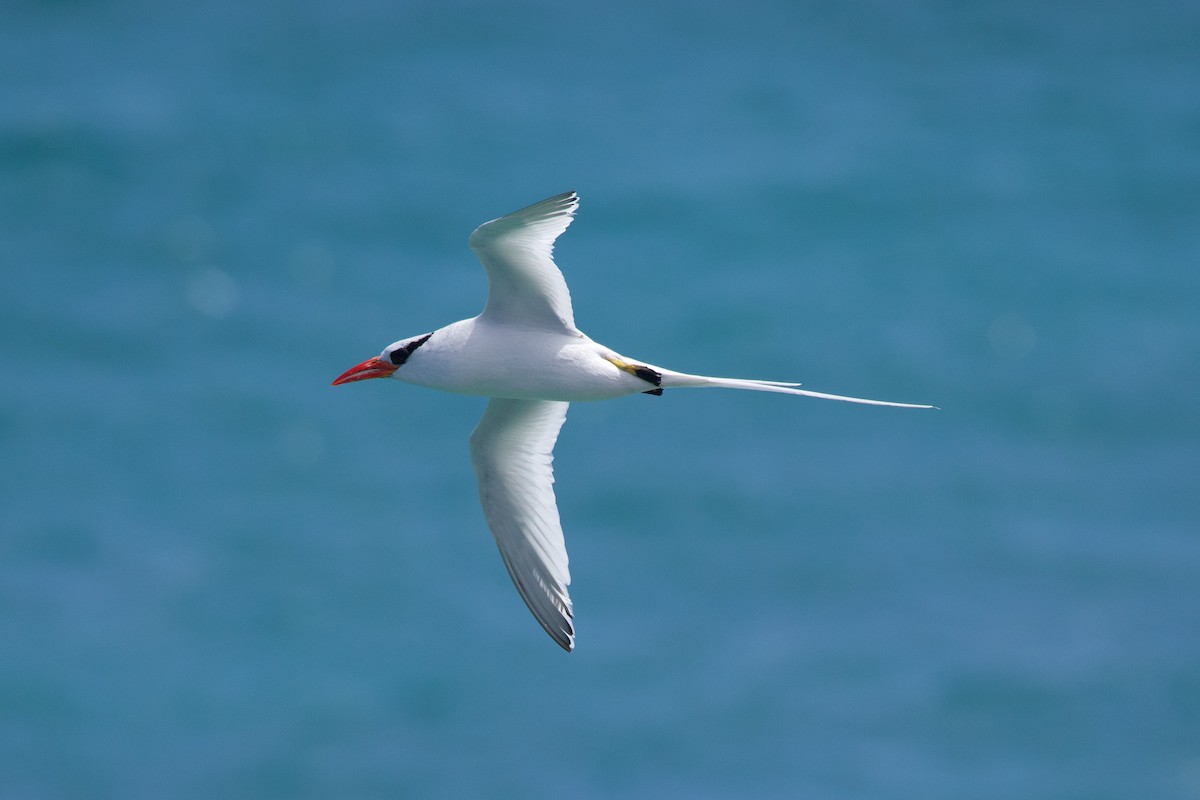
(221,577)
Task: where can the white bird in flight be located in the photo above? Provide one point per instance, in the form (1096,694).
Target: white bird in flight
(525,353)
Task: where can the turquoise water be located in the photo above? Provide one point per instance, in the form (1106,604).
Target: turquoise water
(221,577)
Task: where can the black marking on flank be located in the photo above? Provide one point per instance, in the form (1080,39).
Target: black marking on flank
(401,354)
(649,375)
(656,392)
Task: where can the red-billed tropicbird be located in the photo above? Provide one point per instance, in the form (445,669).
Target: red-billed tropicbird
(525,353)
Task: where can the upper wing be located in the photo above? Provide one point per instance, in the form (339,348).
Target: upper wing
(525,286)
(512,449)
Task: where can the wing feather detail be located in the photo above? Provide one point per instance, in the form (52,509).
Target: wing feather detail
(525,287)
(512,450)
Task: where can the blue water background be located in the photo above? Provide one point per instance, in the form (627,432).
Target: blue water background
(220,577)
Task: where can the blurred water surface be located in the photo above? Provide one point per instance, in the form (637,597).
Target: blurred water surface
(219,577)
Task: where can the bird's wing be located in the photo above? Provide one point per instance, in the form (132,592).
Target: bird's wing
(525,288)
(512,449)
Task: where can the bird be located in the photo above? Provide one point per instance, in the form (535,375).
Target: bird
(524,353)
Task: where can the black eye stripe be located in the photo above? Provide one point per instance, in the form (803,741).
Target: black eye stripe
(401,354)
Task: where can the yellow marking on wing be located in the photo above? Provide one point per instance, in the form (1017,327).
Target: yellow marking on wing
(622,365)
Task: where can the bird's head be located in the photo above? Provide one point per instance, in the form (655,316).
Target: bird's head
(386,363)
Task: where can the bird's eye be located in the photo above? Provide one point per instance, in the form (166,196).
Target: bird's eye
(401,354)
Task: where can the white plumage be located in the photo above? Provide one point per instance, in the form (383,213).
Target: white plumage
(512,451)
(525,352)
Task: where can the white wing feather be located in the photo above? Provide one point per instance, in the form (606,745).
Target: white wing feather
(512,449)
(525,287)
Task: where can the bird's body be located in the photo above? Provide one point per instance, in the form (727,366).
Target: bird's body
(525,353)
(473,356)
